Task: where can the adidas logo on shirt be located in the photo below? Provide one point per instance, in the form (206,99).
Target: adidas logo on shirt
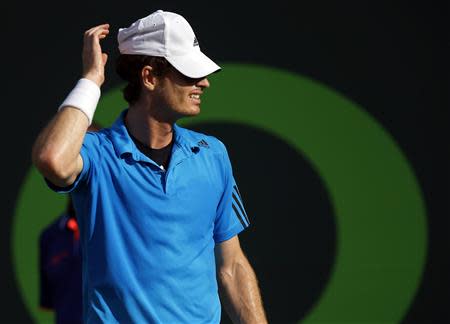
(203,143)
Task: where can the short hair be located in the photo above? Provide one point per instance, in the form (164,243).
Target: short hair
(129,68)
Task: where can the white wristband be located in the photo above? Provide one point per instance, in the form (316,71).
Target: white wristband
(85,97)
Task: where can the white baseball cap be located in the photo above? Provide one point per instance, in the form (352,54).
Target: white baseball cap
(169,35)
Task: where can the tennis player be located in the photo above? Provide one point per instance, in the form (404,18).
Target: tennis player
(158,208)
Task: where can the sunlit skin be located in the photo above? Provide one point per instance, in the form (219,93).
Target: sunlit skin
(171,96)
(162,101)
(175,92)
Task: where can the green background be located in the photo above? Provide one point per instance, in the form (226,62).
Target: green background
(380,214)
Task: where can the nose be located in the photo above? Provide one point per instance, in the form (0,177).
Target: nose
(203,83)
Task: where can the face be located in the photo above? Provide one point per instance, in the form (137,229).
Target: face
(179,95)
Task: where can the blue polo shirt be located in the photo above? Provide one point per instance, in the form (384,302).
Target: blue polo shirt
(148,234)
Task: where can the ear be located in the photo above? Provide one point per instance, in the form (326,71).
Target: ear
(148,78)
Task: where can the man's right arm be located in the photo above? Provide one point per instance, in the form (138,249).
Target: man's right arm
(56,151)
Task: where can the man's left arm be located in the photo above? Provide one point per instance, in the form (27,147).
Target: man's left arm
(238,285)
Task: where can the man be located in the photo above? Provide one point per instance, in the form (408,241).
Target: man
(159,210)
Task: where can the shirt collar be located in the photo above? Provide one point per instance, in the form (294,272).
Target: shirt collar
(123,144)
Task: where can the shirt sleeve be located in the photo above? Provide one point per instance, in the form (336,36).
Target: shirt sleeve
(231,217)
(89,152)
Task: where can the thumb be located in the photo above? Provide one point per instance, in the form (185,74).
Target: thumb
(104,58)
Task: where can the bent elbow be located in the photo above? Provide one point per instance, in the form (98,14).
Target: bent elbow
(50,165)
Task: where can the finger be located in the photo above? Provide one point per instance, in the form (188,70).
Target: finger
(96,28)
(97,32)
(104,31)
(94,38)
(100,33)
(99,28)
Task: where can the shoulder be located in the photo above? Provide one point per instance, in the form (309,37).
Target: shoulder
(99,141)
(98,137)
(202,140)
(211,149)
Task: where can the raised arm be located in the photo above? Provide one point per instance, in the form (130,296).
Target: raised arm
(56,151)
(238,285)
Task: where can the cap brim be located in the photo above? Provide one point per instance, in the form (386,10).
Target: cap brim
(194,65)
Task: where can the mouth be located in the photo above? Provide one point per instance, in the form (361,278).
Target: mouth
(195,97)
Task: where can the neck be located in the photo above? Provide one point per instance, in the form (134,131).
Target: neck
(147,127)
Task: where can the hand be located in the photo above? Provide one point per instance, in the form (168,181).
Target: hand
(93,59)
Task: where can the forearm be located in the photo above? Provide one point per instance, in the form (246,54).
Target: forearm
(240,293)
(56,149)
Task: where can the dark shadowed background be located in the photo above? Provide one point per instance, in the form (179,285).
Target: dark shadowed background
(388,57)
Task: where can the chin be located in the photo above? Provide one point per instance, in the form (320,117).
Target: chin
(194,111)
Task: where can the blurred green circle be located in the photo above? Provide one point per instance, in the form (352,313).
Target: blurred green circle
(380,213)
